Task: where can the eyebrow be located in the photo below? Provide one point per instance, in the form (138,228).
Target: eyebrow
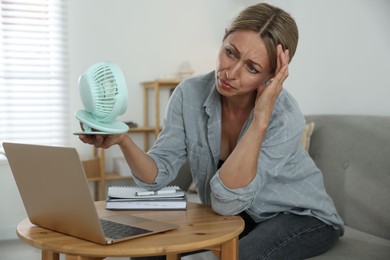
(251,61)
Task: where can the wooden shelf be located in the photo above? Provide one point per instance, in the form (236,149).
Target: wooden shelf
(161,83)
(155,86)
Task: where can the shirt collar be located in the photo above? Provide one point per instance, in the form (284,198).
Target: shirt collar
(212,103)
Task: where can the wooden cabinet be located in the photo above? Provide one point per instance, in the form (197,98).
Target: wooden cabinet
(155,86)
(95,167)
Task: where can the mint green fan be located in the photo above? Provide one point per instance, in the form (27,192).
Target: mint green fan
(103,92)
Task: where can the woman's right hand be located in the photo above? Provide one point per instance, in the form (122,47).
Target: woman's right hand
(103,141)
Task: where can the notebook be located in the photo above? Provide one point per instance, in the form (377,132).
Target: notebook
(55,193)
(137,198)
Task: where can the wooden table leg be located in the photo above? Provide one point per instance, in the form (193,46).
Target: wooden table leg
(173,257)
(229,250)
(48,255)
(96,190)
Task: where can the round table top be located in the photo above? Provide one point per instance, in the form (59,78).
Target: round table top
(199,228)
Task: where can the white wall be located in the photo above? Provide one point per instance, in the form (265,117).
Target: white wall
(343,62)
(341,66)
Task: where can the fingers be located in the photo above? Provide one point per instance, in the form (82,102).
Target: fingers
(96,140)
(282,61)
(282,57)
(99,140)
(103,141)
(282,75)
(285,57)
(88,139)
(279,50)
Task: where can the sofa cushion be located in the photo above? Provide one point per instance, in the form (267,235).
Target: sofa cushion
(353,153)
(357,245)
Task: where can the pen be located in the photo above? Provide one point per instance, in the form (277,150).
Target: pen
(158,192)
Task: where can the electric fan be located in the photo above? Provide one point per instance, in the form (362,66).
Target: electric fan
(103,92)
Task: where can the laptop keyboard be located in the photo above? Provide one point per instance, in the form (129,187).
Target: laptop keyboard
(116,230)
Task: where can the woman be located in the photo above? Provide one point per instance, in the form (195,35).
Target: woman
(240,131)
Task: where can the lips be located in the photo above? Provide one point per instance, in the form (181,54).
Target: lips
(224,84)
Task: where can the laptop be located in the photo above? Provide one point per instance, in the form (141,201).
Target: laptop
(56,196)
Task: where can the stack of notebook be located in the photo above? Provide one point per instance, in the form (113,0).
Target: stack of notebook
(137,198)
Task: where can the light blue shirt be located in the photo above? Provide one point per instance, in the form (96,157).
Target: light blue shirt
(287,179)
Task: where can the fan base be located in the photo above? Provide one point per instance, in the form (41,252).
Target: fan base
(97,127)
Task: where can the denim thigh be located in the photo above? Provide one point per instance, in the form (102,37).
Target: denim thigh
(287,236)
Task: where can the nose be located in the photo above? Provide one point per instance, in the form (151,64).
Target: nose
(233,71)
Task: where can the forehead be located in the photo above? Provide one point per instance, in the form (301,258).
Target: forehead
(250,46)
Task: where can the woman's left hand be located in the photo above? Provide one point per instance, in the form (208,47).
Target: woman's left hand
(269,92)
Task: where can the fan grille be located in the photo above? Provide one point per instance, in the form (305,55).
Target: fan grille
(104,91)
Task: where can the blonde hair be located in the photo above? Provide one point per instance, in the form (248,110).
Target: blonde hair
(274,26)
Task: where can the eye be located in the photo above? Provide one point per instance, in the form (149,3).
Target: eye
(230,53)
(251,69)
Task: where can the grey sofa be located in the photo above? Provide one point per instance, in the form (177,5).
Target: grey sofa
(353,152)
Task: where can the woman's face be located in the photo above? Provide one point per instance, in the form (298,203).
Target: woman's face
(243,64)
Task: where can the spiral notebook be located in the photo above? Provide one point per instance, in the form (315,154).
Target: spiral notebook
(137,198)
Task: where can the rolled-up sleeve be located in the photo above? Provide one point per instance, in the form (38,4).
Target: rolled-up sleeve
(226,201)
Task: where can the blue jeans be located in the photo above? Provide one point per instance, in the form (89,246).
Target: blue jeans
(285,236)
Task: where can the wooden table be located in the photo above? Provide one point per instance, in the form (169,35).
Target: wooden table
(200,228)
